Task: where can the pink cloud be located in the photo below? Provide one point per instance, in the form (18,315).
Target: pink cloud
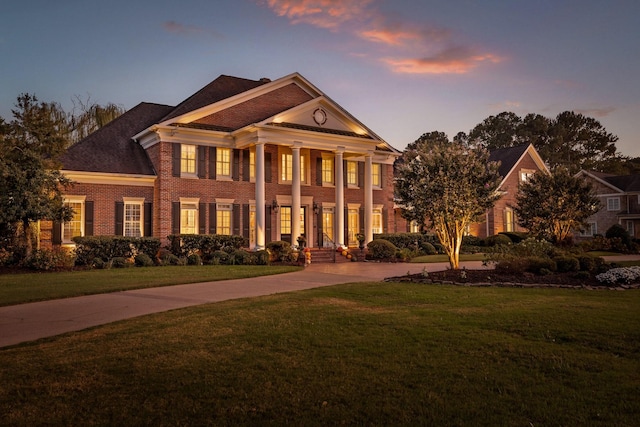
(328,14)
(455,60)
(426,50)
(596,112)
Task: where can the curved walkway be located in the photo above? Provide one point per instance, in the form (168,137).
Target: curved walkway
(32,321)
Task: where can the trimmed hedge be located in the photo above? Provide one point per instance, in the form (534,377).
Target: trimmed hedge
(89,249)
(183,245)
(381,249)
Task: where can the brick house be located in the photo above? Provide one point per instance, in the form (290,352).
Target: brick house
(516,165)
(620,199)
(269,160)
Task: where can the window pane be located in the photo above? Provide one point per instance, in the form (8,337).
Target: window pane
(352,173)
(133,220)
(327,171)
(223,162)
(188,219)
(188,158)
(375,175)
(285,220)
(223,222)
(73,228)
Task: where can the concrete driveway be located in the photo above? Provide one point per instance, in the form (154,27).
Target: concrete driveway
(28,322)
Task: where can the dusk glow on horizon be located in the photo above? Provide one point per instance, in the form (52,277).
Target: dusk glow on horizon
(402,67)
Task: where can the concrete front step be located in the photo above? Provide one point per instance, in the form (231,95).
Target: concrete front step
(331,255)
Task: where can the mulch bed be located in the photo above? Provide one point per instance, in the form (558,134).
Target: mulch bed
(466,277)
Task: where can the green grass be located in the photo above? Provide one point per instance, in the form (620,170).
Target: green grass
(444,258)
(355,354)
(28,287)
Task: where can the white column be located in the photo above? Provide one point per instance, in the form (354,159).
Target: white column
(295,194)
(260,197)
(368,199)
(339,233)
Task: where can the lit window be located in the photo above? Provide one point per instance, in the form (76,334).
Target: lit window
(74,227)
(188,159)
(252,165)
(252,226)
(508,220)
(223,219)
(327,226)
(376,175)
(376,221)
(414,227)
(286,168)
(352,173)
(526,174)
(133,219)
(223,162)
(613,204)
(188,218)
(327,170)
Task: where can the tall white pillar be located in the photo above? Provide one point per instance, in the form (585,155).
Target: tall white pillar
(260,197)
(339,233)
(295,194)
(368,198)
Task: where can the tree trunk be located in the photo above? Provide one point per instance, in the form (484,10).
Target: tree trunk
(27,239)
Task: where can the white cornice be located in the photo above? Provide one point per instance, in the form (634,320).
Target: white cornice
(82,177)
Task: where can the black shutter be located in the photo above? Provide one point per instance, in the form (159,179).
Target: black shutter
(383,170)
(267,167)
(360,174)
(212,218)
(119,219)
(319,171)
(175,218)
(175,158)
(202,218)
(320,239)
(346,227)
(235,172)
(148,219)
(246,173)
(245,221)
(202,162)
(235,220)
(345,173)
(267,222)
(88,218)
(56,233)
(212,162)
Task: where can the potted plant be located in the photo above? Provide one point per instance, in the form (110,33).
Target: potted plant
(302,241)
(360,238)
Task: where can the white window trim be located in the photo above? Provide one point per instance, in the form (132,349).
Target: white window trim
(525,174)
(331,159)
(609,201)
(377,186)
(190,201)
(74,199)
(346,172)
(183,173)
(221,176)
(133,201)
(591,230)
(305,161)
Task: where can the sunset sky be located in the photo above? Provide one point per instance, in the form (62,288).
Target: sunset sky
(402,67)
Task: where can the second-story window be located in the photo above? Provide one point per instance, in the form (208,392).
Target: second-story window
(376,175)
(352,173)
(188,159)
(223,162)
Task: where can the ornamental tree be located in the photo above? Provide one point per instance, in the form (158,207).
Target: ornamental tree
(445,186)
(30,180)
(552,206)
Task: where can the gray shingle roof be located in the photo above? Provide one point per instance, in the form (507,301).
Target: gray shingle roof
(110,149)
(627,183)
(508,157)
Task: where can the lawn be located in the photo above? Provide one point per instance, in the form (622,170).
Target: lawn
(28,287)
(354,354)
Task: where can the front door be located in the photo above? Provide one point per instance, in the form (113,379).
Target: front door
(285,223)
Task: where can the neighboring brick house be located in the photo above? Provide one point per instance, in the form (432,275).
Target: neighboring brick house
(620,199)
(237,157)
(516,165)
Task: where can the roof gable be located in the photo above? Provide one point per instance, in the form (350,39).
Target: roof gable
(221,88)
(627,183)
(510,157)
(110,149)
